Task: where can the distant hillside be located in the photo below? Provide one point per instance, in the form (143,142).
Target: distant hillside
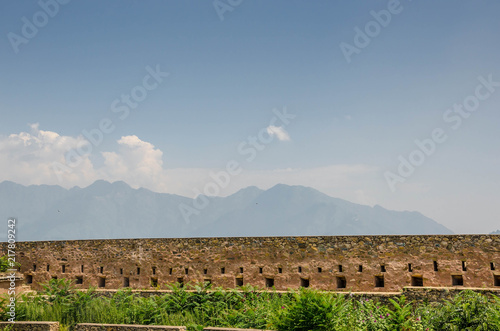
(496,232)
(115,210)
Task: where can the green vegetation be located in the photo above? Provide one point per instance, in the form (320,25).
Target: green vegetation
(249,308)
(5,264)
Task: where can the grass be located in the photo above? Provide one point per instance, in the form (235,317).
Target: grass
(249,308)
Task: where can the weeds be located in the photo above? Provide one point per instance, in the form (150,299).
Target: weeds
(250,308)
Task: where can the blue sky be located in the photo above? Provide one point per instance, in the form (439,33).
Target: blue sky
(353,119)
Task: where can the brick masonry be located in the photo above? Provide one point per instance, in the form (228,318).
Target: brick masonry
(341,263)
(30,326)
(124,327)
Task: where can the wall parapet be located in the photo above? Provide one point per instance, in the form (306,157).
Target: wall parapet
(126,327)
(30,326)
(341,263)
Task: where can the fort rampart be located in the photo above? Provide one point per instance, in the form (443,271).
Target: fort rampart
(341,263)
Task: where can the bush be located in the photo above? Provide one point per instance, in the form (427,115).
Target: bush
(310,311)
(251,308)
(466,311)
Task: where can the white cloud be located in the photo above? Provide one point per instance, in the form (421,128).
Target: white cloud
(279,132)
(28,158)
(136,160)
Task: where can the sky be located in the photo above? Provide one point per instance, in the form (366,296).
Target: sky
(391,103)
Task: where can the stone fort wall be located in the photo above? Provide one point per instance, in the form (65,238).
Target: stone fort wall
(342,263)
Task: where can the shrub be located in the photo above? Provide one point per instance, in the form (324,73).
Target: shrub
(251,308)
(310,311)
(466,311)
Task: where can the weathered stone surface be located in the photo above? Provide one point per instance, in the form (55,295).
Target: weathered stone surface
(31,326)
(125,327)
(9,282)
(341,263)
(437,294)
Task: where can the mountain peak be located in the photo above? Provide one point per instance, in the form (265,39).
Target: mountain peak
(286,187)
(249,189)
(121,184)
(284,190)
(8,183)
(101,186)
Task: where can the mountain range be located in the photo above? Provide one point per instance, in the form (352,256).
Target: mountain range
(106,210)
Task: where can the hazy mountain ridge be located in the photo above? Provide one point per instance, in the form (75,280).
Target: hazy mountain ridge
(115,210)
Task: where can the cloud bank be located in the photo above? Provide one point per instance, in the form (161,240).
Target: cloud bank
(29,157)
